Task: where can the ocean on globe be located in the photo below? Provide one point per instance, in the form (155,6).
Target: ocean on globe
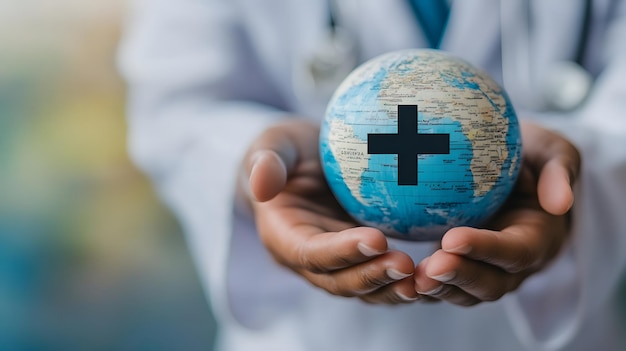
(460,133)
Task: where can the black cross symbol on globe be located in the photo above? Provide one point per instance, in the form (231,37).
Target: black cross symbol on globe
(408,144)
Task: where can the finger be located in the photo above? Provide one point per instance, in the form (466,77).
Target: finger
(454,295)
(484,281)
(305,248)
(366,277)
(423,284)
(433,289)
(522,246)
(400,292)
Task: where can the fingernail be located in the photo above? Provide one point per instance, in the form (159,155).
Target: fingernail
(367,291)
(407,298)
(446,277)
(256,156)
(460,250)
(254,159)
(396,274)
(244,182)
(433,291)
(368,251)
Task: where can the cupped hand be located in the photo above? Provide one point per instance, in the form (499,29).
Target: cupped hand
(476,265)
(306,230)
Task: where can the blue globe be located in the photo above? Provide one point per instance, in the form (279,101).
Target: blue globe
(451,161)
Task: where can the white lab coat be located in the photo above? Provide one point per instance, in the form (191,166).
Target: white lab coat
(206,76)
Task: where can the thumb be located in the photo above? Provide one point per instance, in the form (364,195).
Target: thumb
(556,161)
(554,186)
(269,162)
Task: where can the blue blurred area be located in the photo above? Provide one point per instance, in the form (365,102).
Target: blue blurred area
(89,258)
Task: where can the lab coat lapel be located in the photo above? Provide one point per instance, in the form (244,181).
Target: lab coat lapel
(284,32)
(383,26)
(556,30)
(473,30)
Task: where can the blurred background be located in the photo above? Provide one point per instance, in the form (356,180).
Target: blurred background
(89,259)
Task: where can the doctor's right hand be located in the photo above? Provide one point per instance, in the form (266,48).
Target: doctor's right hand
(305,229)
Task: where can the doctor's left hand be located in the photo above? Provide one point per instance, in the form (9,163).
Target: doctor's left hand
(305,229)
(475,265)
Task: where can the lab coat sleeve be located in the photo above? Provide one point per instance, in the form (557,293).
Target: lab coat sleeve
(555,306)
(196,100)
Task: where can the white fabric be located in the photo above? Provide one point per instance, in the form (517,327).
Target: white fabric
(207,76)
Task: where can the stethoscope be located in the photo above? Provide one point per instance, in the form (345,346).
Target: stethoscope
(564,86)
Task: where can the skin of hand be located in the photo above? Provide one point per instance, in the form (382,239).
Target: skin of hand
(306,230)
(475,265)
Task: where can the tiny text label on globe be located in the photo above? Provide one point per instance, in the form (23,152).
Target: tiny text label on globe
(463,187)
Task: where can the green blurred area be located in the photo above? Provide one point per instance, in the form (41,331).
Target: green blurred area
(89,258)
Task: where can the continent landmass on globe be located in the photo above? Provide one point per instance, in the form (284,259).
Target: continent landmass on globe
(463,187)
